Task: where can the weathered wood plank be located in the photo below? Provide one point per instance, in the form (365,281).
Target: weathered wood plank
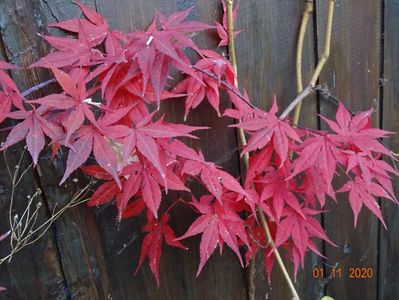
(36,271)
(389,243)
(352,75)
(79,251)
(266,54)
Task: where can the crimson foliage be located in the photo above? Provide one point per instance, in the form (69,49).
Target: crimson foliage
(139,157)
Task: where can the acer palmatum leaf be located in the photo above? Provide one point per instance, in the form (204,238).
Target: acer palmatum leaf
(151,248)
(218,224)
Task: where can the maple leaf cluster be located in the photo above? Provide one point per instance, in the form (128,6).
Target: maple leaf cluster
(113,84)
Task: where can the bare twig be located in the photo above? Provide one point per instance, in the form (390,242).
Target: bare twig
(23,228)
(37,87)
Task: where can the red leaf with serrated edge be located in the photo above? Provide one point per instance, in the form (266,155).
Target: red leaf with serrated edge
(151,247)
(5,81)
(134,209)
(151,193)
(104,193)
(129,188)
(96,171)
(218,225)
(105,156)
(35,140)
(79,154)
(359,196)
(149,148)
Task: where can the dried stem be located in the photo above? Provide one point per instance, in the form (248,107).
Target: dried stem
(24,229)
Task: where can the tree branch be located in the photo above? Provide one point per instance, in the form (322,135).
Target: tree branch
(299,85)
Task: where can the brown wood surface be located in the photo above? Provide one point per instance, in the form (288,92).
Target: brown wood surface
(87,255)
(389,242)
(352,75)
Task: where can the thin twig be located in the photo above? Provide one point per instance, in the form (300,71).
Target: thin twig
(37,87)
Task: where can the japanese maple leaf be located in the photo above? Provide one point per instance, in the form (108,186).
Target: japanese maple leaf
(357,131)
(300,230)
(158,231)
(318,152)
(75,101)
(69,52)
(222,29)
(179,28)
(5,81)
(8,98)
(136,178)
(155,50)
(96,28)
(33,128)
(145,134)
(213,178)
(360,194)
(88,139)
(278,193)
(175,22)
(266,127)
(208,87)
(218,224)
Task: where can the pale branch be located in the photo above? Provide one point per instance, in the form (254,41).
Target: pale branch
(299,84)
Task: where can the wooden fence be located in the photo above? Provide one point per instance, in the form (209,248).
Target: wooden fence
(86,255)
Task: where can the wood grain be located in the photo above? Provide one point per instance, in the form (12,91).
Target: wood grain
(352,75)
(389,243)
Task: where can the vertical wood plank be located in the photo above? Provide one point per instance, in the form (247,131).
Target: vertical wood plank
(35,272)
(266,54)
(352,75)
(389,242)
(78,246)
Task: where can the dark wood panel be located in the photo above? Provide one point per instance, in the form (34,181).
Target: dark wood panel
(389,242)
(266,54)
(78,252)
(352,75)
(36,272)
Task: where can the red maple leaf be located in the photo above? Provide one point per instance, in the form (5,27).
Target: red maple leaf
(218,224)
(222,30)
(360,193)
(266,127)
(157,232)
(33,128)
